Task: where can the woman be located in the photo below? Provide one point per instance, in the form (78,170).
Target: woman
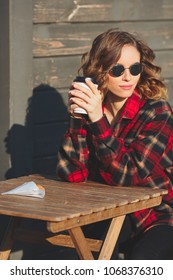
(127,137)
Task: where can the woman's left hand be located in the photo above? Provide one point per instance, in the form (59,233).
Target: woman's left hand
(88,98)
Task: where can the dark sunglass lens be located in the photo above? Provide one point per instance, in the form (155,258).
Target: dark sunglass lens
(117,70)
(136,69)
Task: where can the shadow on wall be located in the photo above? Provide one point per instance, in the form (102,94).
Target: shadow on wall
(33,147)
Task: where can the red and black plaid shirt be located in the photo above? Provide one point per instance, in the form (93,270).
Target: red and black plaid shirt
(136,150)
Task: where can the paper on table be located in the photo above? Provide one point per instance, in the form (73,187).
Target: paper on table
(28,189)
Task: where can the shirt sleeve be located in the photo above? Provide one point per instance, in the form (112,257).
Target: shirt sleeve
(73,154)
(124,164)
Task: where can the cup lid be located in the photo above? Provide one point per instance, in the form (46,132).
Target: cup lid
(81,79)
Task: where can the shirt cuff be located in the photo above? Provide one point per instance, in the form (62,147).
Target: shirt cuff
(100,128)
(77,125)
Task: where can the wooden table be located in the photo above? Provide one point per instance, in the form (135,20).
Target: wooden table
(66,207)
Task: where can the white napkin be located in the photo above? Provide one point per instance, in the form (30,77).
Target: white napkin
(28,189)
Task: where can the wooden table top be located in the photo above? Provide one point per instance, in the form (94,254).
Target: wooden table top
(64,201)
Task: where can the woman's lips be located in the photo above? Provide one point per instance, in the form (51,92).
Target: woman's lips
(126,87)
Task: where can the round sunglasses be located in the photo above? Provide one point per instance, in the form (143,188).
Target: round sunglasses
(118,70)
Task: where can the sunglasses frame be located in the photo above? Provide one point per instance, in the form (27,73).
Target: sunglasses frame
(123,69)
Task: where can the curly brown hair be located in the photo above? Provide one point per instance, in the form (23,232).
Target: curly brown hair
(106,50)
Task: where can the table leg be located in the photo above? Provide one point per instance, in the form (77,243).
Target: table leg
(7,242)
(111,238)
(81,244)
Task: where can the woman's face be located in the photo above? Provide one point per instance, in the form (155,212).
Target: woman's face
(124,85)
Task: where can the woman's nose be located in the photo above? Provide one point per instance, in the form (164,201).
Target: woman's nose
(126,75)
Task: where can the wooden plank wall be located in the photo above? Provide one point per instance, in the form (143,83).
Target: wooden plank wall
(62,31)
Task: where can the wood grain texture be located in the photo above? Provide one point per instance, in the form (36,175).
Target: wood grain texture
(45,238)
(62,39)
(111,238)
(69,206)
(99,10)
(65,201)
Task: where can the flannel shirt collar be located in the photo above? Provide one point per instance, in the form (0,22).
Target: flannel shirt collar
(132,106)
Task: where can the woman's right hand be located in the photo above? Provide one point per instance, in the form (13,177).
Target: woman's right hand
(87,98)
